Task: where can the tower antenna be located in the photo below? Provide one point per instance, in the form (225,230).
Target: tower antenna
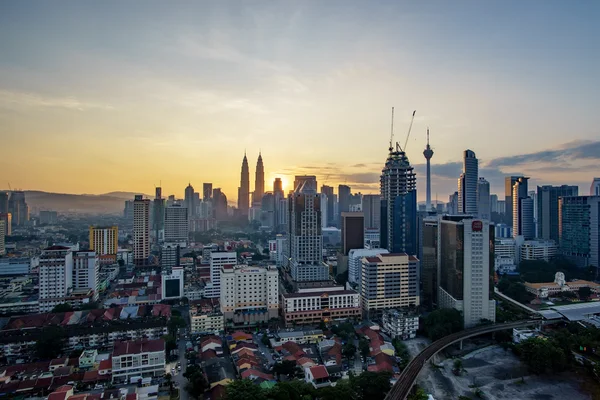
(392,131)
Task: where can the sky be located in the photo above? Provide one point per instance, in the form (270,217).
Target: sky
(124,96)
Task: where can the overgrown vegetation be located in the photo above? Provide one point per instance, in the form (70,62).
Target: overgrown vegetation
(443,322)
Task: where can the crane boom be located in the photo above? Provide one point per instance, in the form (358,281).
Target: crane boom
(392,130)
(409,129)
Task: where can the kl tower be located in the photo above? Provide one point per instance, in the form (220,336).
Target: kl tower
(428,153)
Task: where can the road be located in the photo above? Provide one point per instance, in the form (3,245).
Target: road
(178,377)
(358,362)
(407,379)
(262,348)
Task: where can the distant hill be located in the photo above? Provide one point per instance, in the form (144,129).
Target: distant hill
(109,203)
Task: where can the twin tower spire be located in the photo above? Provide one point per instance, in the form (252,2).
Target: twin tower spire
(244,189)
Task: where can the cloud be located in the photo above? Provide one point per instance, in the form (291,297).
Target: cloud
(571,151)
(25,99)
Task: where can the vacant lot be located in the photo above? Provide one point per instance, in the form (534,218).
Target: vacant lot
(498,374)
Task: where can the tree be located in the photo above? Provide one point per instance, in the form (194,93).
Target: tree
(265,340)
(418,394)
(401,352)
(342,390)
(175,323)
(292,390)
(286,367)
(584,292)
(457,366)
(90,306)
(443,322)
(170,343)
(349,350)
(169,382)
(64,307)
(197,383)
(372,385)
(121,262)
(542,355)
(51,342)
(244,389)
(363,346)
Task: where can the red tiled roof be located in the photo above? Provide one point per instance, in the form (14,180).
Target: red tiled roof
(208,354)
(58,361)
(319,372)
(131,396)
(211,339)
(90,376)
(64,388)
(105,365)
(252,372)
(57,396)
(138,346)
(304,360)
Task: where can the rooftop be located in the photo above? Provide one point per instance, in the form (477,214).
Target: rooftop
(138,346)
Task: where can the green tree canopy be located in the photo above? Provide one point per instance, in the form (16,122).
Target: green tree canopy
(50,344)
(244,389)
(286,367)
(542,355)
(443,322)
(372,385)
(64,307)
(197,383)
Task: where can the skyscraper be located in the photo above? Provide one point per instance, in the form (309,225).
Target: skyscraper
(483,199)
(18,208)
(467,184)
(466,267)
(278,197)
(353,231)
(206,191)
(398,204)
(428,153)
(579,229)
(2,237)
(3,202)
(7,218)
(305,232)
(493,203)
(158,222)
(509,182)
(141,230)
(189,200)
(594,188)
(522,210)
(104,240)
(344,194)
(371,208)
(56,276)
(219,204)
(176,224)
(547,207)
(328,191)
(259,182)
(244,189)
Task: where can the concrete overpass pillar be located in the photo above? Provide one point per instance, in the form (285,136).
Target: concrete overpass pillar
(461,345)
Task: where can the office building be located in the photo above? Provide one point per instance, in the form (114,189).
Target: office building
(465,267)
(2,237)
(371,208)
(537,250)
(547,209)
(355,257)
(267,211)
(219,205)
(305,232)
(468,183)
(310,306)
(14,266)
(217,261)
(324,216)
(522,213)
(372,239)
(484,204)
(170,255)
(506,255)
(353,231)
(188,201)
(207,190)
(172,283)
(7,218)
(86,267)
(244,189)
(259,182)
(389,281)
(328,191)
(428,153)
(249,295)
(579,229)
(18,208)
(141,230)
(158,214)
(398,184)
(494,203)
(137,359)
(344,195)
(48,217)
(595,187)
(452,205)
(503,231)
(3,202)
(429,261)
(104,240)
(176,224)
(509,182)
(128,211)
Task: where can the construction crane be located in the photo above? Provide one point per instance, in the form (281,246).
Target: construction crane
(392,131)
(9,188)
(409,129)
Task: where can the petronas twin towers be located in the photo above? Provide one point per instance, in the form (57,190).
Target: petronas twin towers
(244,189)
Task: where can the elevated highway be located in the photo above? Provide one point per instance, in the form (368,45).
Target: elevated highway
(407,379)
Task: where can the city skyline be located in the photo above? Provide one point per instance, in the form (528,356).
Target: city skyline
(278,77)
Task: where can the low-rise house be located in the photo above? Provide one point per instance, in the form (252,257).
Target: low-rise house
(301,337)
(317,376)
(140,358)
(87,359)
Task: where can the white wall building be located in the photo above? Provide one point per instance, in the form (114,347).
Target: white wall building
(172,284)
(86,268)
(538,250)
(313,305)
(355,257)
(56,273)
(249,294)
(143,358)
(400,324)
(218,260)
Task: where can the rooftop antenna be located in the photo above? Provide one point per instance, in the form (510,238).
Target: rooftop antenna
(392,131)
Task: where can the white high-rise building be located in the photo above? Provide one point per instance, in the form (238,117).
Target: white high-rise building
(464,271)
(389,281)
(141,230)
(483,199)
(467,184)
(56,276)
(249,294)
(324,216)
(176,224)
(85,271)
(355,257)
(217,261)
